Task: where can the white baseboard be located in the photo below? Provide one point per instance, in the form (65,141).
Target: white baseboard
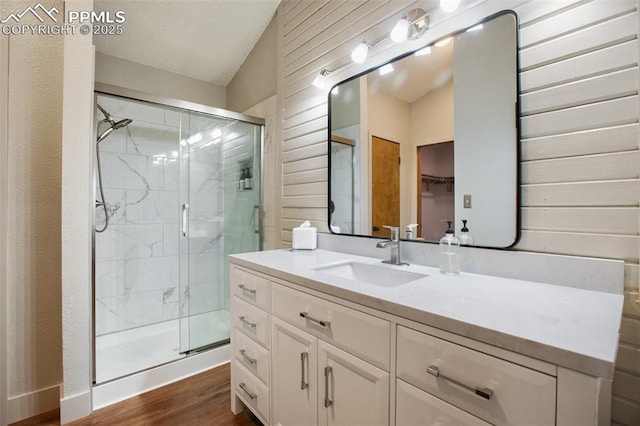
(130,386)
(33,403)
(75,407)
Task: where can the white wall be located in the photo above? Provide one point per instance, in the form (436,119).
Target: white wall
(34,316)
(579,123)
(255,80)
(75,245)
(131,75)
(4,86)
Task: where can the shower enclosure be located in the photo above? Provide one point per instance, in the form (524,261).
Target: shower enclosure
(182,187)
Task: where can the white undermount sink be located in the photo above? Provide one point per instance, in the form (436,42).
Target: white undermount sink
(368,273)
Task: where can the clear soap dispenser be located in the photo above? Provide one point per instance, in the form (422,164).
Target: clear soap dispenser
(465,238)
(449,252)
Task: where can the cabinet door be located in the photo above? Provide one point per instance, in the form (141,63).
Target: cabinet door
(352,391)
(416,407)
(294,363)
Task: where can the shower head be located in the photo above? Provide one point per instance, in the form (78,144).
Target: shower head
(113,125)
(122,123)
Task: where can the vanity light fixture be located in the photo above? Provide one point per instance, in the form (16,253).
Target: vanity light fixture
(449,5)
(386,69)
(359,54)
(321,80)
(411,26)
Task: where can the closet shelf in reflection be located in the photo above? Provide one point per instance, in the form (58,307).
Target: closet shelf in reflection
(430,180)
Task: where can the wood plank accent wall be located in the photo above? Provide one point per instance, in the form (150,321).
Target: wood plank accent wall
(580,161)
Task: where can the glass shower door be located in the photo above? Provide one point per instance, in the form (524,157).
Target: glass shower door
(219,205)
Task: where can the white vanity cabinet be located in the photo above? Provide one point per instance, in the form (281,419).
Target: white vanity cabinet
(250,342)
(490,388)
(315,382)
(302,356)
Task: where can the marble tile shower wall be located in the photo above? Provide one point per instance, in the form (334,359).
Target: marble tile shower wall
(241,206)
(137,258)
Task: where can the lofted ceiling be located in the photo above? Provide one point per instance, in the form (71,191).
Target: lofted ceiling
(203,39)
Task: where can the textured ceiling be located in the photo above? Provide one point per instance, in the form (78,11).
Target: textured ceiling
(203,39)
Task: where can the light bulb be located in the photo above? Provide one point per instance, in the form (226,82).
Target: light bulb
(449,5)
(399,31)
(359,54)
(320,82)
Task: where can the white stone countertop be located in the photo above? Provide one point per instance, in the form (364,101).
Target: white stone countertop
(574,328)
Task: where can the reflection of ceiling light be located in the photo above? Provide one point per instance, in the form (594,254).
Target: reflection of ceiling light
(424,51)
(174,153)
(216,133)
(359,54)
(399,31)
(321,80)
(183,142)
(194,138)
(335,90)
(443,42)
(386,69)
(216,141)
(475,28)
(449,5)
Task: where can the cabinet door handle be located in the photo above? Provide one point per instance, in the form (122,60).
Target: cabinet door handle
(303,357)
(251,325)
(249,360)
(321,323)
(244,388)
(485,393)
(246,289)
(327,401)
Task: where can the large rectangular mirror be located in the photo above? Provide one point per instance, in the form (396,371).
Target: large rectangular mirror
(432,138)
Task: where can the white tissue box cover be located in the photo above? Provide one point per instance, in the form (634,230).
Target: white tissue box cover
(305,238)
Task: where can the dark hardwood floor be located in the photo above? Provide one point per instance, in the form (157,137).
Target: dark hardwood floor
(203,399)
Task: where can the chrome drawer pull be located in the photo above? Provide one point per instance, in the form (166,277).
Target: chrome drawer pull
(248,290)
(251,325)
(244,388)
(485,393)
(249,360)
(325,324)
(327,401)
(303,357)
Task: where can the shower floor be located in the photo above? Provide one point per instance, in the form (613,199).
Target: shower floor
(126,352)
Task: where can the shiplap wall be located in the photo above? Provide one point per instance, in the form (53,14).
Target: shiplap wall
(579,149)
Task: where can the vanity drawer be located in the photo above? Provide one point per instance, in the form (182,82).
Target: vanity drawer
(253,392)
(416,407)
(518,395)
(361,334)
(253,356)
(250,287)
(253,321)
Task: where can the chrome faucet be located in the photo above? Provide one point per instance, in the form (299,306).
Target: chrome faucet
(394,243)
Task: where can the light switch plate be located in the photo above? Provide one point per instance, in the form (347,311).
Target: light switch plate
(466,201)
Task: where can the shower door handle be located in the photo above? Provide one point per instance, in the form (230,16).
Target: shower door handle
(185,220)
